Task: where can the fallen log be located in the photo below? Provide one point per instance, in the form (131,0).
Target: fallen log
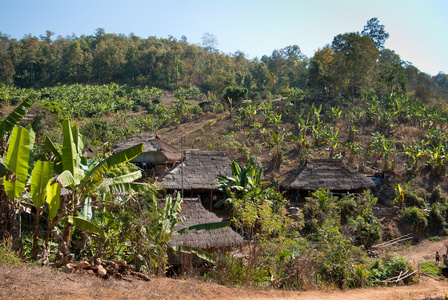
(63,261)
(140,275)
(394,241)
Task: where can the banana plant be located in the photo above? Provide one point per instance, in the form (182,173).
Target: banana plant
(301,140)
(330,138)
(277,145)
(415,151)
(242,182)
(437,155)
(87,179)
(382,146)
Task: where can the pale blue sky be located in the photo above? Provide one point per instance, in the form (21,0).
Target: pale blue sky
(418,29)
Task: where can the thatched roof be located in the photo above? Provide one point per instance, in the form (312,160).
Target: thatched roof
(196,214)
(151,143)
(200,169)
(331,174)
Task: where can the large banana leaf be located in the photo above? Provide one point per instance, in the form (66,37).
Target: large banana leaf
(66,179)
(70,155)
(130,177)
(7,124)
(77,140)
(17,161)
(5,171)
(42,173)
(118,158)
(200,253)
(82,223)
(86,211)
(49,146)
(129,187)
(53,199)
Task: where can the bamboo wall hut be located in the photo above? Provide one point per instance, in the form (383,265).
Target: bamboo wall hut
(330,174)
(157,156)
(210,241)
(196,175)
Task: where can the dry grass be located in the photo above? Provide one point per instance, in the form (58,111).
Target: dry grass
(30,282)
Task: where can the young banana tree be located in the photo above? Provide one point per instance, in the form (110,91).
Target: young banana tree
(382,146)
(415,151)
(9,165)
(87,179)
(437,155)
(301,140)
(330,138)
(277,145)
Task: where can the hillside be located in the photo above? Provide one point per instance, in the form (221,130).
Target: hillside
(324,245)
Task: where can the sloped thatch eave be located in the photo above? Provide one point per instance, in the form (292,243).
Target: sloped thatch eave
(200,169)
(151,144)
(329,174)
(196,214)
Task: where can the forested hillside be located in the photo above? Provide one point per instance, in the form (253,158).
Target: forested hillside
(350,65)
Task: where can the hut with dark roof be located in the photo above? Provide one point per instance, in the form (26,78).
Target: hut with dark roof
(196,175)
(210,241)
(330,174)
(157,156)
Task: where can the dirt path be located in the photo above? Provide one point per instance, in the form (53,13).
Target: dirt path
(44,283)
(423,251)
(29,282)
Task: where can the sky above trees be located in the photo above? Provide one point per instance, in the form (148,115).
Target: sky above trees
(417,28)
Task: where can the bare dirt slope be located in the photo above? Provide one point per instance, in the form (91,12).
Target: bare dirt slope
(424,251)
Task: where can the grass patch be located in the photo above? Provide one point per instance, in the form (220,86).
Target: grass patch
(435,238)
(7,255)
(430,268)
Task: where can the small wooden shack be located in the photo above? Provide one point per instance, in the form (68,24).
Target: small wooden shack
(330,174)
(157,156)
(223,239)
(196,175)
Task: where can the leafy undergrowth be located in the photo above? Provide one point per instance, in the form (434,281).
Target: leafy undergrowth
(8,256)
(430,268)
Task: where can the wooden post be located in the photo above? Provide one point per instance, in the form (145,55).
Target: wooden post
(211,200)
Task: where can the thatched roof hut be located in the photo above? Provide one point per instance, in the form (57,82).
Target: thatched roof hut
(198,169)
(197,173)
(330,174)
(196,214)
(154,149)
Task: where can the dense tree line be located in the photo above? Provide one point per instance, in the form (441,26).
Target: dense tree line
(353,64)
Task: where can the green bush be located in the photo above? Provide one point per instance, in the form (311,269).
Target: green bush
(388,267)
(7,255)
(415,217)
(430,268)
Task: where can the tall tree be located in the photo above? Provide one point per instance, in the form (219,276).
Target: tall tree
(376,32)
(391,76)
(210,42)
(356,57)
(321,79)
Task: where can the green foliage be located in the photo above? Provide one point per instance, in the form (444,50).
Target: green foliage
(389,266)
(319,207)
(415,217)
(8,256)
(235,93)
(366,228)
(430,268)
(338,261)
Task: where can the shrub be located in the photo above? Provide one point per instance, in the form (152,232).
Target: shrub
(388,267)
(415,217)
(7,255)
(430,268)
